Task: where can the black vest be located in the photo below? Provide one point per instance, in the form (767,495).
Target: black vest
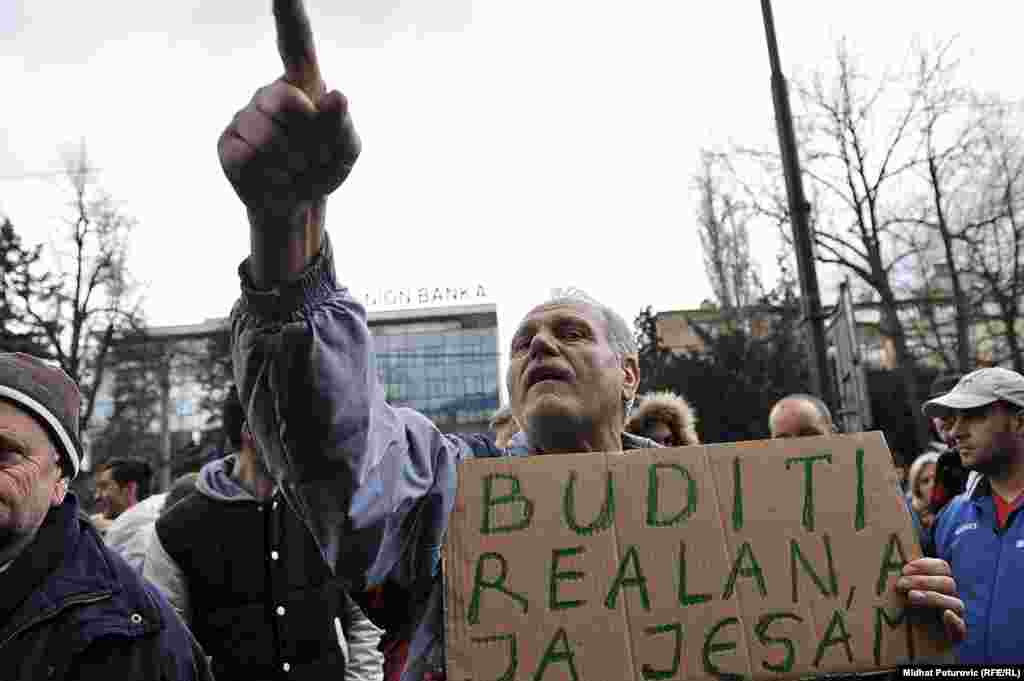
(263,603)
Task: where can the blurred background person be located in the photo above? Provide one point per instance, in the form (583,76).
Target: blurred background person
(800,415)
(666,418)
(951,477)
(503,425)
(130,532)
(920,481)
(120,484)
(123,500)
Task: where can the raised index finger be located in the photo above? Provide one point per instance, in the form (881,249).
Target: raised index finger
(295,44)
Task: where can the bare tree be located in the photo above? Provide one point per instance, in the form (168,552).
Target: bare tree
(724,237)
(995,236)
(89,296)
(949,133)
(859,146)
(19,276)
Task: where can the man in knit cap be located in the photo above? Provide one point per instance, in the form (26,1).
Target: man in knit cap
(69,606)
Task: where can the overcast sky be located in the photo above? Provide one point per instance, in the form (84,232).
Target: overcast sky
(523,145)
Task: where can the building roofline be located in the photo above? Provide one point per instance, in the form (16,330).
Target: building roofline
(698,312)
(216,325)
(440,312)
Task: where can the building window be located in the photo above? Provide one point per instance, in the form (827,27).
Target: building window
(104,409)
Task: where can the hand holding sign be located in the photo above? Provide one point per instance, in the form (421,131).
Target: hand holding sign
(929,583)
(292,145)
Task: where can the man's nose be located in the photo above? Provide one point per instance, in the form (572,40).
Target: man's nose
(542,343)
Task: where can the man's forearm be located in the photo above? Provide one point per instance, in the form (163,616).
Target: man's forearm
(282,245)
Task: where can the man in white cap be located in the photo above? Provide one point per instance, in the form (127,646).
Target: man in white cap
(980,532)
(69,606)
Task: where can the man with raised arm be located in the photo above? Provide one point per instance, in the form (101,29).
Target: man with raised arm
(375,484)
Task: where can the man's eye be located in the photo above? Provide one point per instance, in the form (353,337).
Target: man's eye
(9,456)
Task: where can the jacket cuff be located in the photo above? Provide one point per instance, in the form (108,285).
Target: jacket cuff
(316,284)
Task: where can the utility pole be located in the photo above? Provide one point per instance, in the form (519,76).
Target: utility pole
(166,455)
(799,210)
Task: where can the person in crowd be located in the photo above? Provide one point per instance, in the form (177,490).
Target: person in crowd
(942,438)
(920,481)
(70,608)
(504,426)
(182,487)
(981,531)
(239,566)
(951,477)
(130,532)
(666,418)
(122,498)
(800,415)
(120,484)
(373,482)
(902,475)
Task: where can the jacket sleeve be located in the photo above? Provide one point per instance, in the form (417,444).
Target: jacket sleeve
(365,660)
(376,480)
(165,574)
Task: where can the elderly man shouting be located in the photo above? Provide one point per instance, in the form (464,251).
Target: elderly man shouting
(374,483)
(69,606)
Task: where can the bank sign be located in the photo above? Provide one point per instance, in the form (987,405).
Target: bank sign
(413,297)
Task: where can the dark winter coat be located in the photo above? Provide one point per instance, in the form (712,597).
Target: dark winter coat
(255,589)
(70,608)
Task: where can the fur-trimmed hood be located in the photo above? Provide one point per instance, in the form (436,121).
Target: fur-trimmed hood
(669,408)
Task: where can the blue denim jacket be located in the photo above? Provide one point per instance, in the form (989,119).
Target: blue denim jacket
(374,483)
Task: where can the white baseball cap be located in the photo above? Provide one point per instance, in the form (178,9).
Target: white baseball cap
(978,389)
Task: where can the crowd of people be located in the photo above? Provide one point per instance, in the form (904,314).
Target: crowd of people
(312,548)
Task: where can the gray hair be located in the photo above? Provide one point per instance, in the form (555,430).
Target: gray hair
(620,335)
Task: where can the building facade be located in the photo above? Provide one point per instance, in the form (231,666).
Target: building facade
(440,361)
(439,357)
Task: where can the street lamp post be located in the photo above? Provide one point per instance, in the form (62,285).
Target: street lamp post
(799,210)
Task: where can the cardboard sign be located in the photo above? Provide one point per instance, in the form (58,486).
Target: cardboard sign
(764,560)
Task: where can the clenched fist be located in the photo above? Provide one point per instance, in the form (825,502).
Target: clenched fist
(294,143)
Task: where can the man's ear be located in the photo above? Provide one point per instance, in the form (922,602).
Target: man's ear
(60,490)
(1018,422)
(133,489)
(631,380)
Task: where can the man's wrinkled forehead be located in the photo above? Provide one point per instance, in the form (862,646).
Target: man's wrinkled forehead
(548,312)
